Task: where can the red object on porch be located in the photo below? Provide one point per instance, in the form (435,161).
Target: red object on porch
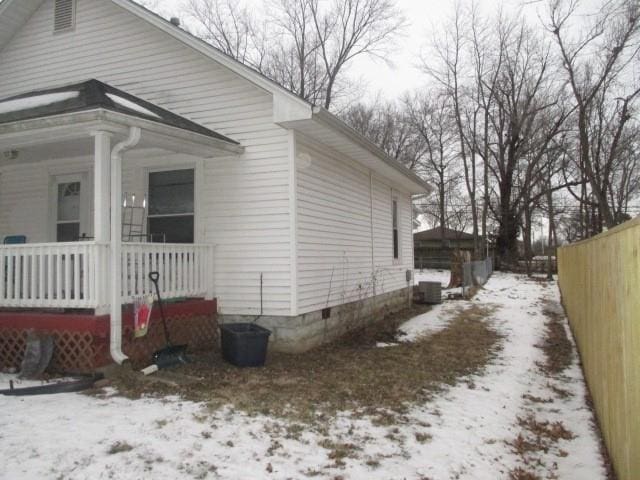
(82,339)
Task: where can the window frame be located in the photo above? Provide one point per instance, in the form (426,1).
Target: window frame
(396,250)
(86,199)
(171,168)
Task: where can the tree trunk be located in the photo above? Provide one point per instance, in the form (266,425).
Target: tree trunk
(601,199)
(551,228)
(443,221)
(527,237)
(485,181)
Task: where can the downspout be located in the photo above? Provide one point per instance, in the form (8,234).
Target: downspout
(115,343)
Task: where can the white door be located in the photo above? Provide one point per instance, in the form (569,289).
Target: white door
(70,208)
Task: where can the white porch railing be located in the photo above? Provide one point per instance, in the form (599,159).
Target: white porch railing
(54,275)
(76,274)
(185,269)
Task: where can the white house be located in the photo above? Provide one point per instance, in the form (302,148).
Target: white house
(257,205)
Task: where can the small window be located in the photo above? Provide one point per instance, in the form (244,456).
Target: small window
(68,216)
(171,206)
(396,245)
(64,15)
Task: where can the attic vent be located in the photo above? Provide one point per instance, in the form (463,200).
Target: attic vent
(64,15)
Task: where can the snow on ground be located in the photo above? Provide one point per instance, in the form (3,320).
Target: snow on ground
(465,432)
(431,322)
(470,428)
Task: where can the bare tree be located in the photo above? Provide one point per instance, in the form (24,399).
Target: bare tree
(593,62)
(487,60)
(351,28)
(430,117)
(306,45)
(450,68)
(227,26)
(387,125)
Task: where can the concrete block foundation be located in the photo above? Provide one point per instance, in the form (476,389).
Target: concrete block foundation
(303,332)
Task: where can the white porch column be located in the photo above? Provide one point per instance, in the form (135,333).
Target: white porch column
(101,193)
(101,185)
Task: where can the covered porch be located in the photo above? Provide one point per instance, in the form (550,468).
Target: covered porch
(81,252)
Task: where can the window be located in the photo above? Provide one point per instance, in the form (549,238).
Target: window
(171,206)
(68,216)
(64,13)
(394,213)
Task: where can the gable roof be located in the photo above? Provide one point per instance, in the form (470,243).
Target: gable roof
(14,13)
(90,95)
(436,234)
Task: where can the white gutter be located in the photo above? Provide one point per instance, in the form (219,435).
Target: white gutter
(115,343)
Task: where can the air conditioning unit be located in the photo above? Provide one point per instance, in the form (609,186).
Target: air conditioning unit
(429,292)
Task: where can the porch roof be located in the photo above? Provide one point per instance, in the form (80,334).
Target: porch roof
(90,95)
(73,113)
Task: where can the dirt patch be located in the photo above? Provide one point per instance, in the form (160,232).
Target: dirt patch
(520,473)
(557,347)
(539,437)
(385,331)
(350,374)
(119,447)
(536,437)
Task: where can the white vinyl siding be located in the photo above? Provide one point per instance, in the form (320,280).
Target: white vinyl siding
(27,188)
(340,208)
(245,211)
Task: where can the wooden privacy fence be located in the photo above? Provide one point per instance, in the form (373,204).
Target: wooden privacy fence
(600,284)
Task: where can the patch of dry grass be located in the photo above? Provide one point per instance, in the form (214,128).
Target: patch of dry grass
(349,374)
(559,354)
(119,447)
(545,430)
(538,437)
(520,473)
(557,347)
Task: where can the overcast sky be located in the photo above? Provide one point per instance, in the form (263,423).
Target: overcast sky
(403,73)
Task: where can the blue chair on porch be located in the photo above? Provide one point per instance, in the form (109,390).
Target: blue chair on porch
(14,239)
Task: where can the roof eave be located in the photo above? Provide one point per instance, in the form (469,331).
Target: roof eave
(322,115)
(20,133)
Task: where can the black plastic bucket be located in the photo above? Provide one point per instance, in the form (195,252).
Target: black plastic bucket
(244,344)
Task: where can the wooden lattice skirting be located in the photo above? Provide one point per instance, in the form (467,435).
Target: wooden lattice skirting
(82,341)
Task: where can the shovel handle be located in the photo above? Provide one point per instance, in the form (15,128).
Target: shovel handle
(154,277)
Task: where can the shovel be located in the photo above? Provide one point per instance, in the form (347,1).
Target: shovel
(171,354)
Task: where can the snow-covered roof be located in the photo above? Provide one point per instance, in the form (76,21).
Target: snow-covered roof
(90,95)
